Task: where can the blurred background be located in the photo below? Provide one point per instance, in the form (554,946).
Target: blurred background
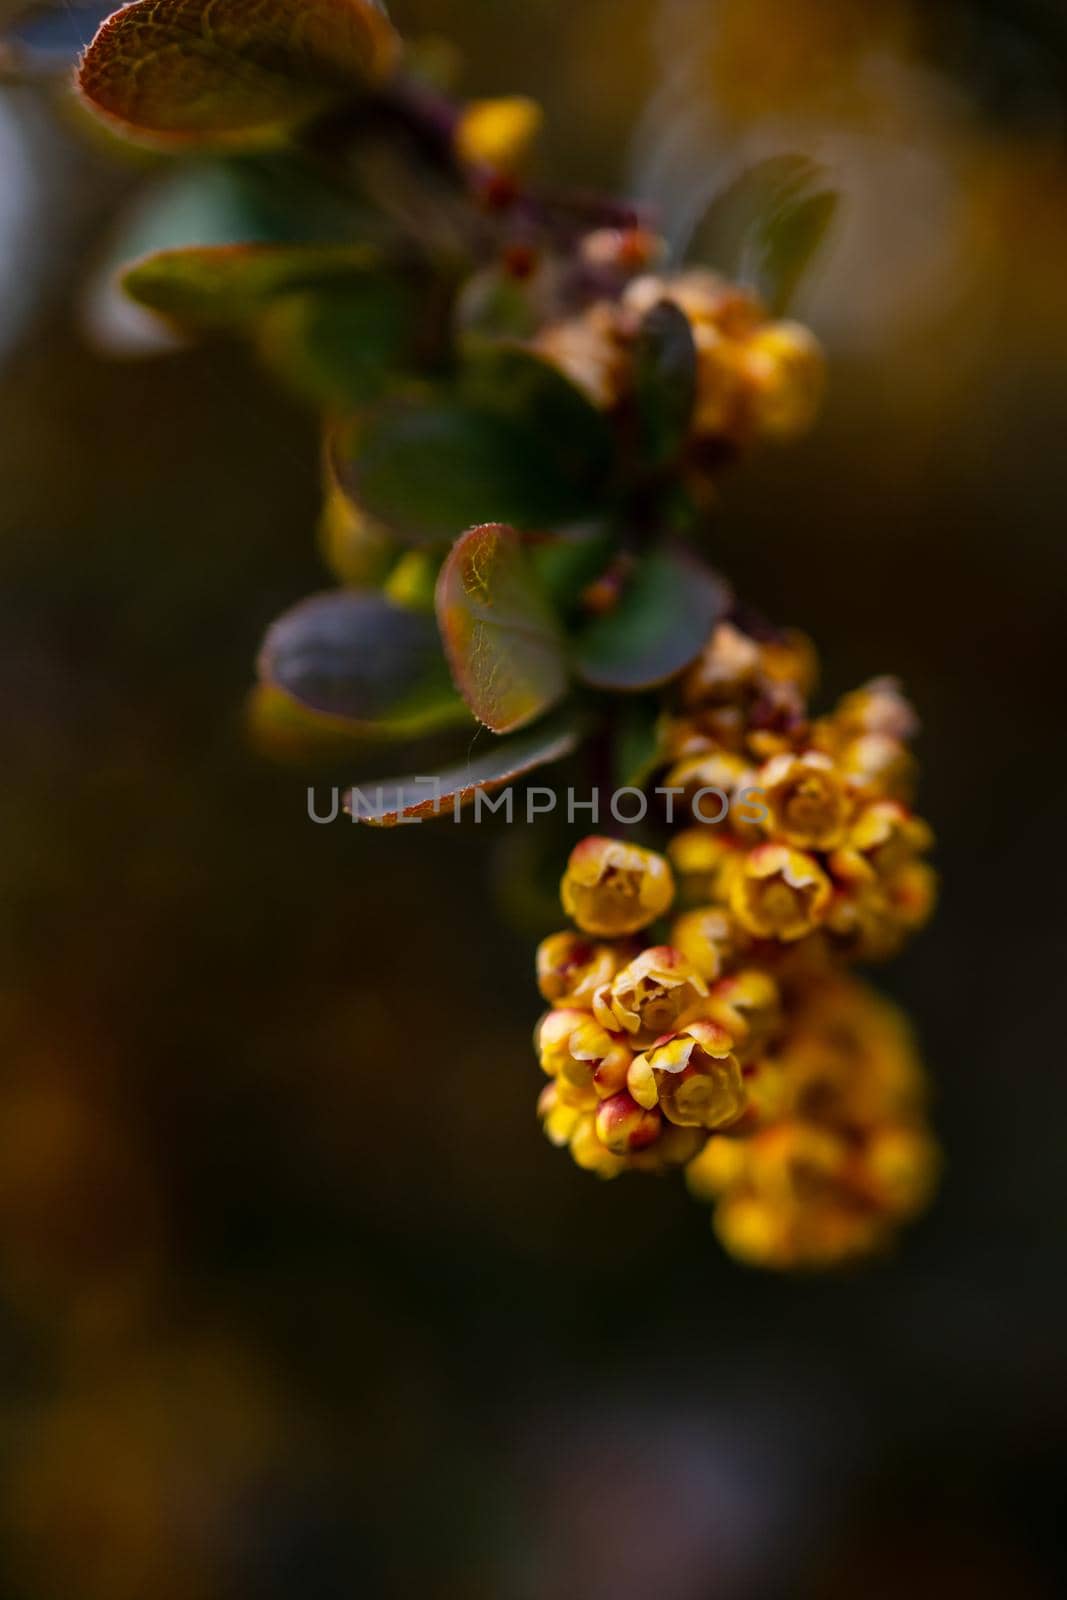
(294,1297)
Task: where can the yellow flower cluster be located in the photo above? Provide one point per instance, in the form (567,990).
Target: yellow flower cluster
(740,1048)
(756,378)
(846,1154)
(820,847)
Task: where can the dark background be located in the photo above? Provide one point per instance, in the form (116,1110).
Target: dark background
(294,1298)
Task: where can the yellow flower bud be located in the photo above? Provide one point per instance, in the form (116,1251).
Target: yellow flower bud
(727,666)
(888,835)
(779,893)
(587,1062)
(881,707)
(808,803)
(692,1077)
(707,939)
(724,773)
(623,1126)
(900,1169)
(877,765)
(588,1152)
(613,888)
(748,1005)
(785,372)
(558,1120)
(656,994)
(797,1162)
(720,1165)
(498,133)
(674,1147)
(552,1037)
(791,658)
(702,858)
(570,969)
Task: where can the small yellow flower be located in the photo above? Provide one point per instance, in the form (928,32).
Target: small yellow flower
(622,1126)
(720,1165)
(693,1077)
(570,969)
(881,707)
(674,1148)
(558,1120)
(707,938)
(611,888)
(702,858)
(712,782)
(498,133)
(587,1062)
(884,837)
(900,1168)
(656,994)
(552,1037)
(779,893)
(785,373)
(878,766)
(790,658)
(748,1005)
(725,669)
(808,803)
(588,1152)
(797,1162)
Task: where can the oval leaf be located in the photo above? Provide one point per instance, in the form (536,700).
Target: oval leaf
(568,441)
(202,69)
(429,471)
(667,610)
(502,640)
(353,654)
(398,799)
(767,224)
(665,382)
(223,285)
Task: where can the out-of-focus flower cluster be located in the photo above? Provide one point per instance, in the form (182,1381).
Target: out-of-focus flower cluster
(755,377)
(736,1044)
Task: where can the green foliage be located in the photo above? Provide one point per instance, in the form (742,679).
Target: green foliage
(668,607)
(225,286)
(510,475)
(665,383)
(767,225)
(352,654)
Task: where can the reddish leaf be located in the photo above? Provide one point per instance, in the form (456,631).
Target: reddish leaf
(501,638)
(383,805)
(204,69)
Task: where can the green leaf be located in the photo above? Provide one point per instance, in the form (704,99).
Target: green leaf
(568,440)
(637,747)
(767,225)
(193,70)
(497,763)
(352,654)
(665,382)
(501,638)
(339,347)
(428,471)
(667,610)
(223,286)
